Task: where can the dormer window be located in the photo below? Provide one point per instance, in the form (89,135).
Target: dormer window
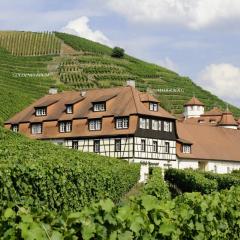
(95,125)
(41,111)
(36,128)
(15,128)
(69,109)
(144,123)
(186,148)
(99,107)
(167,126)
(153,106)
(65,126)
(122,123)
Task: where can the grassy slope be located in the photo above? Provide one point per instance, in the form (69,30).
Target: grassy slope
(94,67)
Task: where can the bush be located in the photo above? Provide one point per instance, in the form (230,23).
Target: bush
(190,181)
(190,216)
(156,186)
(225,181)
(117,52)
(34,173)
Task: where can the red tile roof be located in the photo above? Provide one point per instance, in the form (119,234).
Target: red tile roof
(194,101)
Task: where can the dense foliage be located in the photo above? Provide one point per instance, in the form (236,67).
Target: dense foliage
(190,181)
(189,216)
(156,186)
(224,180)
(117,52)
(39,174)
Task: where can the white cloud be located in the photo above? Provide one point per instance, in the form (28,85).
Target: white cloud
(223,80)
(194,14)
(168,63)
(80,27)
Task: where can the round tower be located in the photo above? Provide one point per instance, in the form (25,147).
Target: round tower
(193,108)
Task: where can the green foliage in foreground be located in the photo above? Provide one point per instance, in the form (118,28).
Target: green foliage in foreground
(40,174)
(189,216)
(156,186)
(190,181)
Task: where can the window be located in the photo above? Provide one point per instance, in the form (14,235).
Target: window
(156,125)
(117,145)
(168,126)
(65,126)
(186,148)
(41,111)
(153,106)
(215,168)
(155,146)
(15,128)
(99,107)
(74,144)
(96,146)
(144,123)
(95,125)
(122,123)
(69,109)
(167,147)
(36,128)
(143,145)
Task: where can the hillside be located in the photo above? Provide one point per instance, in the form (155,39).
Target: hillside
(77,63)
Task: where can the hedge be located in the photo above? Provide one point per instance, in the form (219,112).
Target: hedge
(190,181)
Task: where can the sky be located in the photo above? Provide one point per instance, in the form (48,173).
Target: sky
(196,38)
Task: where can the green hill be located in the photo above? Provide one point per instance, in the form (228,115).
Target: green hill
(80,63)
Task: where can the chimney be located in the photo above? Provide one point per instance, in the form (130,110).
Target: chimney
(53,90)
(83,93)
(131,83)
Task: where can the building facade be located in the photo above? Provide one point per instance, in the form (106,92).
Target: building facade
(116,122)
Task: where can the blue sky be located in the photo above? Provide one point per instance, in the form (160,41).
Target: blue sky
(196,38)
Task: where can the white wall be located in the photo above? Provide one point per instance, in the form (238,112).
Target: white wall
(193,111)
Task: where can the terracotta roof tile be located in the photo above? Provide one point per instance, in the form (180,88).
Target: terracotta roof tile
(227,120)
(194,101)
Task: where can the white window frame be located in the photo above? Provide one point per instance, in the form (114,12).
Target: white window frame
(74,144)
(153,106)
(69,109)
(167,126)
(36,128)
(156,125)
(95,125)
(118,145)
(186,148)
(41,111)
(122,123)
(144,123)
(65,126)
(155,146)
(15,128)
(99,107)
(96,146)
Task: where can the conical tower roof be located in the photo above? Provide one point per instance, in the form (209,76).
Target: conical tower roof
(193,102)
(227,119)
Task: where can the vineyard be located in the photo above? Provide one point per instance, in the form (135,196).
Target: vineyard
(22,80)
(30,44)
(150,215)
(83,64)
(93,66)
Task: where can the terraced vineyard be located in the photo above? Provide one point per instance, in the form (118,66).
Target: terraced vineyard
(85,64)
(22,80)
(93,66)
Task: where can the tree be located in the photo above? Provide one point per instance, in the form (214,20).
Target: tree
(117,52)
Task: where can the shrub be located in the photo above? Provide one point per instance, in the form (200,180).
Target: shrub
(117,52)
(190,181)
(156,186)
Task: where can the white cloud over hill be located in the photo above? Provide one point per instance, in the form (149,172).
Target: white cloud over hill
(80,27)
(221,79)
(194,14)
